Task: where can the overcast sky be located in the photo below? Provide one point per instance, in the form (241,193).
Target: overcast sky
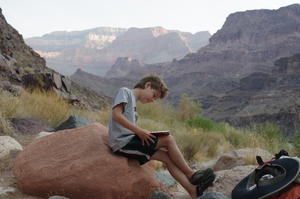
(38,17)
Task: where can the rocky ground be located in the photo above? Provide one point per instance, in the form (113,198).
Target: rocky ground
(230,168)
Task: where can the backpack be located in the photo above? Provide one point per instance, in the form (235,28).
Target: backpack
(291,192)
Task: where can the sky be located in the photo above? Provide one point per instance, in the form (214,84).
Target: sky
(39,17)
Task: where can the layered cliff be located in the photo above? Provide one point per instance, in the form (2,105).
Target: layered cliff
(262,97)
(96,50)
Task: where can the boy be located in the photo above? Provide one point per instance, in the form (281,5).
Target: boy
(129,140)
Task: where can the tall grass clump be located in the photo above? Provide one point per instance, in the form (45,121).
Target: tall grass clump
(8,104)
(187,109)
(8,107)
(46,106)
(5,126)
(158,111)
(271,137)
(198,145)
(296,143)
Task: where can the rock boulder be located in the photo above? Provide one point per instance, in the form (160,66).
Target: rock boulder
(78,164)
(8,145)
(239,157)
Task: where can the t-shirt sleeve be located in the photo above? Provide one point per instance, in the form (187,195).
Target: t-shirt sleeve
(121,97)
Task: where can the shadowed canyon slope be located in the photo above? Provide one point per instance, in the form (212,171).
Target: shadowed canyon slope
(95,50)
(246,46)
(20,66)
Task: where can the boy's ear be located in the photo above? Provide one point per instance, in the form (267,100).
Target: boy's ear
(147,84)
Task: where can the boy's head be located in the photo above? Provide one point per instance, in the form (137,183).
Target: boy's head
(154,83)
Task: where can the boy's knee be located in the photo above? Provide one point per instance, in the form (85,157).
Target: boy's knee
(170,139)
(166,141)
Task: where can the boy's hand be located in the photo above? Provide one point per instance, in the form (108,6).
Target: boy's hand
(146,136)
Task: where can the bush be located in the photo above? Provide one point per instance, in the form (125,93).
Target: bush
(187,109)
(158,111)
(205,124)
(270,137)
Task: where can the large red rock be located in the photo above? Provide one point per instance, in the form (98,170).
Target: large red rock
(78,164)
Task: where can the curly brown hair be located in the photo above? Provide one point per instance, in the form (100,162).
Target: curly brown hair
(156,83)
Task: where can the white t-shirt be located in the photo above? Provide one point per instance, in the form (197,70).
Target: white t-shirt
(119,136)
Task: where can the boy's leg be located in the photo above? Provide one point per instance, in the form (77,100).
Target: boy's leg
(175,154)
(176,172)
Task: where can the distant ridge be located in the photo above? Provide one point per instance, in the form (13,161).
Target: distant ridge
(96,50)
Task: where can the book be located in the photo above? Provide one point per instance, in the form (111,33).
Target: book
(160,133)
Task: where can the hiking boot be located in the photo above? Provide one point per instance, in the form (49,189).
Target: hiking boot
(208,182)
(202,176)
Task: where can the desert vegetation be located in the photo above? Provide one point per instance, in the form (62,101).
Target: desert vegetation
(199,138)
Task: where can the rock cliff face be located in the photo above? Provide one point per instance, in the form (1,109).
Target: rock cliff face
(20,65)
(262,97)
(248,42)
(123,65)
(15,53)
(105,85)
(96,50)
(60,41)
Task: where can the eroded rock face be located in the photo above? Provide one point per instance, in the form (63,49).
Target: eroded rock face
(77,163)
(86,51)
(262,97)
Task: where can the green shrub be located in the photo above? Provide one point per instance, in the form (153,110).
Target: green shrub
(200,122)
(205,124)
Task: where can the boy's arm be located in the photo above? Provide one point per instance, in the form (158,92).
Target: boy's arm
(143,134)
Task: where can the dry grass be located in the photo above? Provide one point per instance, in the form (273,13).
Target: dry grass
(196,143)
(5,126)
(46,106)
(8,104)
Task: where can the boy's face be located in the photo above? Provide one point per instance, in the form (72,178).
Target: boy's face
(149,94)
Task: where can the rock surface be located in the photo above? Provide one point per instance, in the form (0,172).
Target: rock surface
(213,195)
(77,163)
(227,179)
(241,157)
(29,125)
(74,121)
(8,145)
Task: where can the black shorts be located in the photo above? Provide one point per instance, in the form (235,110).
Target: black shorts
(134,149)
